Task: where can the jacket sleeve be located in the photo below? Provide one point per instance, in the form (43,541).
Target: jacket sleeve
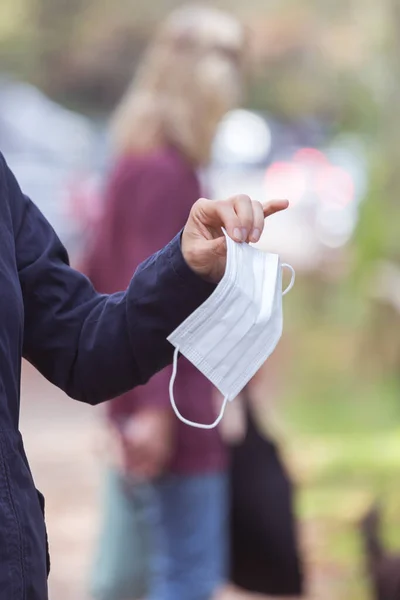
(159,189)
(93,346)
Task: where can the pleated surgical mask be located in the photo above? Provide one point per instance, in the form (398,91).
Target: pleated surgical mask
(231,335)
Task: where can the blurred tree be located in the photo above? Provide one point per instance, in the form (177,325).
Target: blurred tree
(377,237)
(85,50)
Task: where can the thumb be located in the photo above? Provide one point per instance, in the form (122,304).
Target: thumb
(274,206)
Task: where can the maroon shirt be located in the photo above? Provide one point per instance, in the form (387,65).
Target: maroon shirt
(148,200)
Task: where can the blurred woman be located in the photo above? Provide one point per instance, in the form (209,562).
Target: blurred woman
(162,135)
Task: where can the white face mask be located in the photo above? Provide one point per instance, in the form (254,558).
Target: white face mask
(232,334)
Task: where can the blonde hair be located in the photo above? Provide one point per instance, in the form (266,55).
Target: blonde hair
(189,78)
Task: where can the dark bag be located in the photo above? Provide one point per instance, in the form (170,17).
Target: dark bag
(265,556)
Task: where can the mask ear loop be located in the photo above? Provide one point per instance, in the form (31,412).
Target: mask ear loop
(291,284)
(175,408)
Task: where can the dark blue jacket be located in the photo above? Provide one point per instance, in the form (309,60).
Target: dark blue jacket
(93,347)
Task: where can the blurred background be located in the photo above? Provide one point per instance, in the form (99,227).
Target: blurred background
(321,127)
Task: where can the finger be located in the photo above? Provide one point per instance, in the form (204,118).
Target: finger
(136,469)
(274,206)
(134,451)
(221,213)
(258,222)
(244,210)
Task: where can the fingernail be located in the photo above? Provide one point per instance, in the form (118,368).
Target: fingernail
(244,234)
(255,235)
(237,234)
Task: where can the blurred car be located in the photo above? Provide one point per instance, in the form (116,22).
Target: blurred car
(49,148)
(324,179)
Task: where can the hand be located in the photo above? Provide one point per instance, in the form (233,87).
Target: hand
(146,442)
(203,243)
